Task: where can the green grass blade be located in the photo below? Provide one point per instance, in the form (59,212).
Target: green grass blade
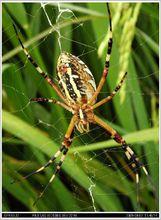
(150,42)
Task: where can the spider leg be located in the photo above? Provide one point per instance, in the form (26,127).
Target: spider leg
(59,164)
(107,62)
(54,101)
(108,98)
(52,159)
(135,162)
(64,149)
(44,75)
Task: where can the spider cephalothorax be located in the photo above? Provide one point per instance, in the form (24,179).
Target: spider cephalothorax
(84,116)
(78,93)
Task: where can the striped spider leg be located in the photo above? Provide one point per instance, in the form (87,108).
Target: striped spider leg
(62,151)
(54,101)
(134,160)
(43,74)
(107,61)
(108,98)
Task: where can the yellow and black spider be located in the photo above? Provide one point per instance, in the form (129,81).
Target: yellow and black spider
(78,93)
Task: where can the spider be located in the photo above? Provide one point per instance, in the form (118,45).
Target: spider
(78,92)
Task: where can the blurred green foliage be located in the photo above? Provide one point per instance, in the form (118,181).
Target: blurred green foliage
(33,132)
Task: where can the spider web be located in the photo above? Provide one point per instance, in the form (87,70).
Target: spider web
(94,174)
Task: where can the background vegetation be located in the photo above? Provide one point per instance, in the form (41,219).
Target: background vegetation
(95,175)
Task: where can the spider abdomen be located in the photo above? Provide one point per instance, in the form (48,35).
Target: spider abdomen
(75,79)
